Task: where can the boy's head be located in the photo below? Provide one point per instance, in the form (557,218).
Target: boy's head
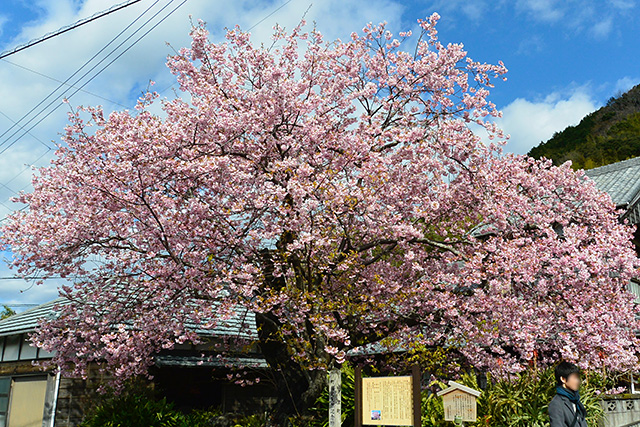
(568,375)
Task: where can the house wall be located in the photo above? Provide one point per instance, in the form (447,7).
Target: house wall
(187,385)
(76,397)
(20,374)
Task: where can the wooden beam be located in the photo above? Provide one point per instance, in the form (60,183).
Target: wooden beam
(417,398)
(358,397)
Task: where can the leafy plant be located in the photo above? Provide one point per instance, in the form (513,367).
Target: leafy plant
(137,406)
(523,401)
(133,411)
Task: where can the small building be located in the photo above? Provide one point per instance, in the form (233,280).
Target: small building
(191,376)
(621,180)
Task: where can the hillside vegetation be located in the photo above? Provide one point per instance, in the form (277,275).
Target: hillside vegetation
(608,135)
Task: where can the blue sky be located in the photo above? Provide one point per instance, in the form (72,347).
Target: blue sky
(565,59)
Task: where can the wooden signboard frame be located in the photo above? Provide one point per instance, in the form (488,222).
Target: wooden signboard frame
(415,394)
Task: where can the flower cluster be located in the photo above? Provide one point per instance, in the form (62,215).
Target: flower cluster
(336,188)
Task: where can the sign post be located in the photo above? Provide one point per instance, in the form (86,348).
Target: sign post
(387,400)
(335,397)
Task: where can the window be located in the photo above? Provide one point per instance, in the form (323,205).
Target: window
(18,347)
(22,400)
(11,348)
(26,403)
(28,351)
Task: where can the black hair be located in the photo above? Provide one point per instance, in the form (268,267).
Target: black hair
(564,369)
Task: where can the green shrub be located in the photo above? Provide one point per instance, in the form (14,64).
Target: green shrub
(432,409)
(518,402)
(250,421)
(134,411)
(136,407)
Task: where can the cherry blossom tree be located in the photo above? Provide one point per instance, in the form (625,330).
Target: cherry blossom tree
(337,191)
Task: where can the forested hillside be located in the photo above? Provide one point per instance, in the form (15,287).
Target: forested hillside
(608,135)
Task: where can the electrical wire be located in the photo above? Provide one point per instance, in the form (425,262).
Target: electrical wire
(61,82)
(14,122)
(28,131)
(269,15)
(70,27)
(98,73)
(113,39)
(250,28)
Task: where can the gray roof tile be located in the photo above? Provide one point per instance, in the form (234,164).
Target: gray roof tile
(28,319)
(621,180)
(241,324)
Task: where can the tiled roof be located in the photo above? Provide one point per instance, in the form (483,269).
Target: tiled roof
(621,180)
(28,319)
(211,361)
(241,324)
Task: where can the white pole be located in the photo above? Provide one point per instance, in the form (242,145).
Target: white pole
(54,406)
(335,397)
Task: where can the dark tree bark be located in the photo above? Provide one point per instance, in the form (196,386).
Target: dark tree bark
(298,388)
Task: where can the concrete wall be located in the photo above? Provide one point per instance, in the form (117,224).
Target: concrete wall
(621,411)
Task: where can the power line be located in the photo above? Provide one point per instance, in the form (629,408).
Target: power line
(61,82)
(70,27)
(21,127)
(250,28)
(99,72)
(28,166)
(16,123)
(18,305)
(113,39)
(81,87)
(269,15)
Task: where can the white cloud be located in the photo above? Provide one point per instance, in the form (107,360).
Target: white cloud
(3,21)
(626,83)
(451,10)
(597,19)
(544,10)
(532,44)
(603,27)
(474,10)
(623,4)
(531,122)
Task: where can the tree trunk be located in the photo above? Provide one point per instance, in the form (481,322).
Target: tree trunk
(297,388)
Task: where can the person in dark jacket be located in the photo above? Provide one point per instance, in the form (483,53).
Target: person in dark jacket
(565,409)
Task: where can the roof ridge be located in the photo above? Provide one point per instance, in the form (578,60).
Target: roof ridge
(613,166)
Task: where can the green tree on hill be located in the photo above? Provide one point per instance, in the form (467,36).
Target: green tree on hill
(608,135)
